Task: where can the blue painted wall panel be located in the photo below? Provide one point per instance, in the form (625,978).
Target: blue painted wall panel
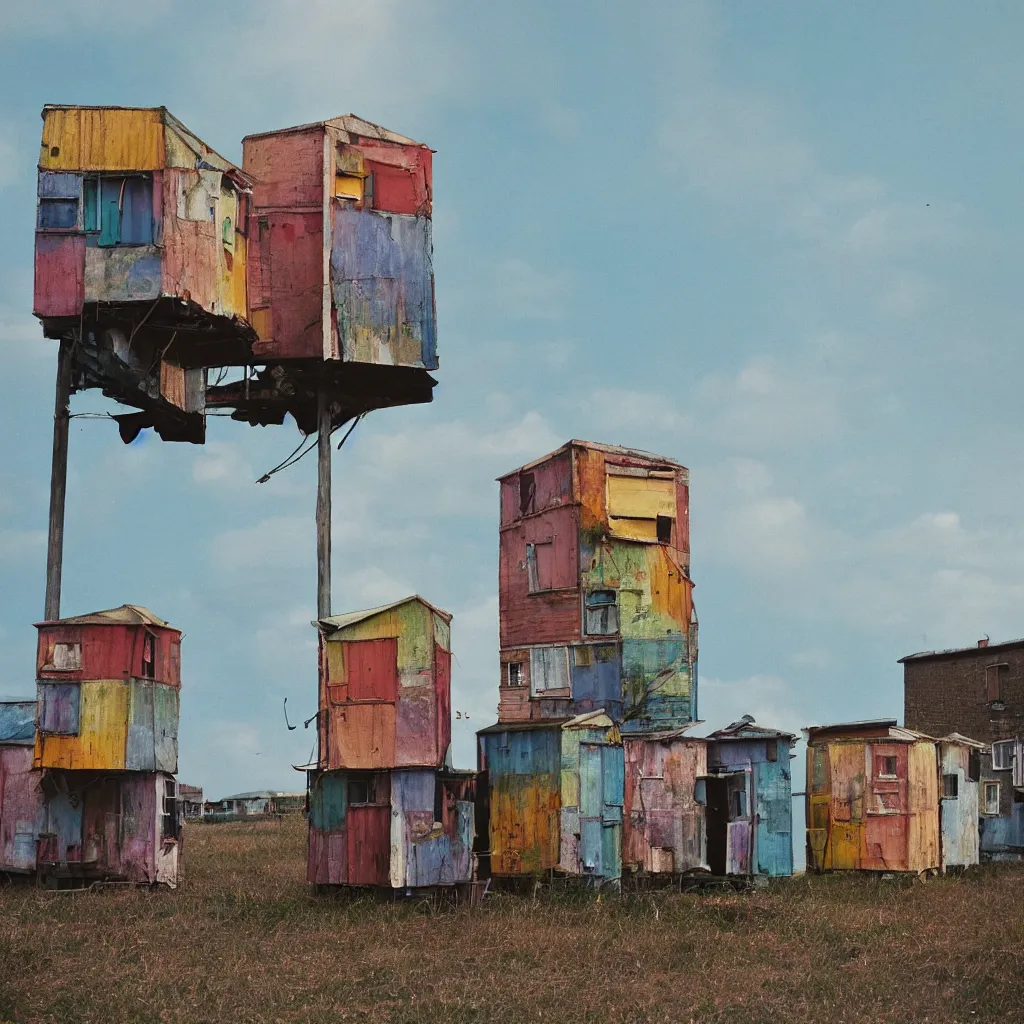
(523,752)
(652,670)
(18,722)
(598,684)
(1003,838)
(59,185)
(59,707)
(774,802)
(328,801)
(382,283)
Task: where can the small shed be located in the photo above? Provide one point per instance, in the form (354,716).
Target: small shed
(665,828)
(21,798)
(749,794)
(123,826)
(555,795)
(873,798)
(191,801)
(959,796)
(385,687)
(108,692)
(403,829)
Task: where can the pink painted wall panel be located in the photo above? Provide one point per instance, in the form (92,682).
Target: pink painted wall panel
(443,685)
(21,804)
(59,275)
(111,652)
(287,169)
(191,265)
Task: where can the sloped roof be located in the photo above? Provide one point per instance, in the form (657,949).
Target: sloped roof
(125,615)
(610,449)
(352,123)
(953,651)
(885,727)
(18,722)
(747,729)
(336,622)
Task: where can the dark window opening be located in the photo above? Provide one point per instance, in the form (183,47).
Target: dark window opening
(149,657)
(540,566)
(950,787)
(438,800)
(993,675)
(169,822)
(527,493)
(516,673)
(973,766)
(362,789)
(664,529)
(772,750)
(738,803)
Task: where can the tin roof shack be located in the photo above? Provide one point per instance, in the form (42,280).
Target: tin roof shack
(409,829)
(257,804)
(21,798)
(340,271)
(979,692)
(959,800)
(665,829)
(99,825)
(140,257)
(595,599)
(385,687)
(108,687)
(748,794)
(555,795)
(190,800)
(872,798)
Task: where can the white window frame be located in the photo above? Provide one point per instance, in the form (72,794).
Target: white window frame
(549,670)
(517,682)
(1002,763)
(985,805)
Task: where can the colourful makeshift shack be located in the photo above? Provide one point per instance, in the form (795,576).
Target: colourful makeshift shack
(748,797)
(385,687)
(595,599)
(140,257)
(554,798)
(960,787)
(108,688)
(106,743)
(665,829)
(402,829)
(340,271)
(21,798)
(873,797)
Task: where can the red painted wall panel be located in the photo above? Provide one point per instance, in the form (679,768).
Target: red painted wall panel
(371,667)
(443,684)
(369,845)
(110,652)
(287,169)
(59,275)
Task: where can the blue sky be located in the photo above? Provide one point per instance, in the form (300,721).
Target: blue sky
(777,242)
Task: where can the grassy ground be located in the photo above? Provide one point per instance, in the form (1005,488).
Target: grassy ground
(244,940)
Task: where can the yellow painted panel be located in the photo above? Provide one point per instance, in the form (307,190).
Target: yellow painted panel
(524,825)
(923,805)
(262,321)
(378,627)
(645,530)
(843,852)
(102,732)
(98,139)
(348,186)
(638,497)
(590,488)
(336,662)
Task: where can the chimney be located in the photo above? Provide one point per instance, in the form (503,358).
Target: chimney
(983,642)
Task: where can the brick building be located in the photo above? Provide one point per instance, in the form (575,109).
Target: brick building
(978,692)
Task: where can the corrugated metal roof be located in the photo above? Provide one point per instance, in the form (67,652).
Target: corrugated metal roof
(747,729)
(18,722)
(336,622)
(125,615)
(883,726)
(611,449)
(951,651)
(351,123)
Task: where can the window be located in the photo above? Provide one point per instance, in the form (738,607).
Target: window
(362,789)
(993,674)
(66,657)
(516,673)
(58,214)
(771,750)
(169,817)
(527,493)
(549,669)
(439,800)
(885,767)
(663,525)
(540,566)
(950,787)
(119,209)
(991,798)
(739,803)
(602,613)
(1002,755)
(149,657)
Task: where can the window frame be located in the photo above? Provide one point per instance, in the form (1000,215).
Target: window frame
(608,608)
(1003,745)
(882,762)
(520,674)
(985,805)
(947,778)
(537,654)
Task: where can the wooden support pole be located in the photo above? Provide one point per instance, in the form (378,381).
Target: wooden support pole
(323,507)
(58,480)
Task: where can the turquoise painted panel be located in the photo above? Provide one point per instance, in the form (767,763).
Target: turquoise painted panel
(773,841)
(328,801)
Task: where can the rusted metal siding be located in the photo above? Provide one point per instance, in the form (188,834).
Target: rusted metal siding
(923,798)
(21,807)
(664,824)
(108,651)
(101,740)
(102,139)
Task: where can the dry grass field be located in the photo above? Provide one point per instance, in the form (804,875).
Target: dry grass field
(244,940)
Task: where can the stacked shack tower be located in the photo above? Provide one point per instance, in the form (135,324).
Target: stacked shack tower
(304,278)
(598,663)
(386,809)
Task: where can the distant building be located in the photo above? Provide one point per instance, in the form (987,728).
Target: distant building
(191,801)
(257,804)
(978,692)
